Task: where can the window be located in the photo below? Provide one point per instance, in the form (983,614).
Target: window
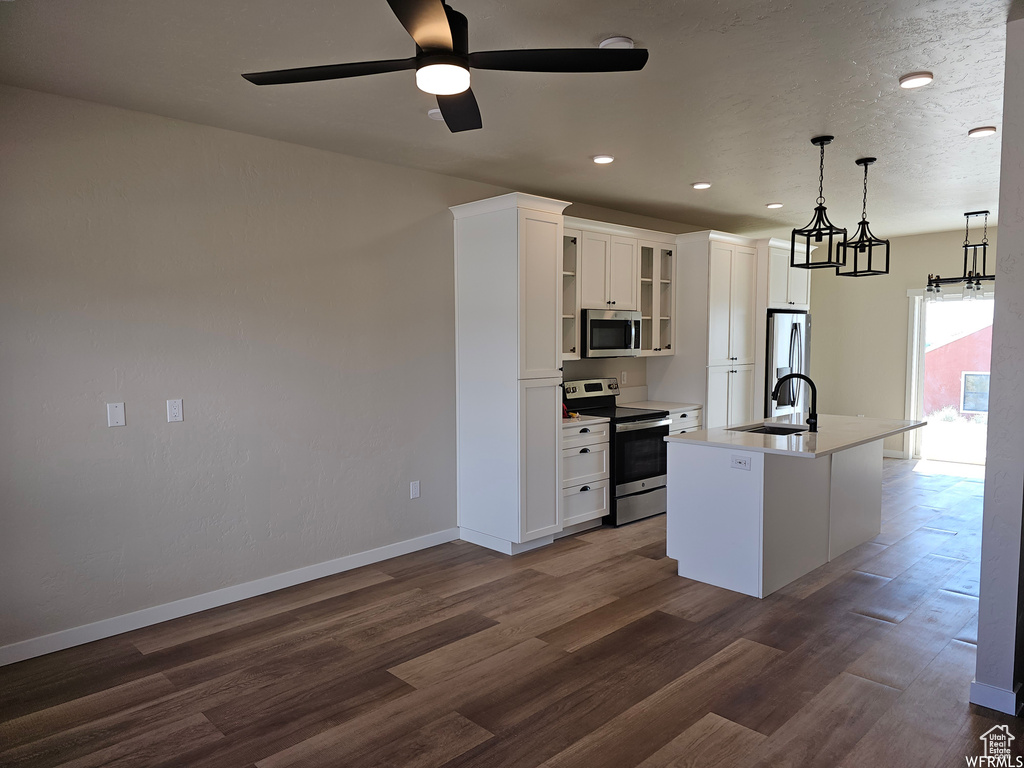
(974,392)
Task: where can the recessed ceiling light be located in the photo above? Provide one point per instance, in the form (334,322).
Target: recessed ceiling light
(435,114)
(603,159)
(773,205)
(916,79)
(985,130)
(701,185)
(616,42)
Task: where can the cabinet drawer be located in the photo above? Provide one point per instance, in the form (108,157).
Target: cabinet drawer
(581,433)
(684,419)
(581,503)
(673,430)
(585,464)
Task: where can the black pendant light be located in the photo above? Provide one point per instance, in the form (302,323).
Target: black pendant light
(975,265)
(821,234)
(869,254)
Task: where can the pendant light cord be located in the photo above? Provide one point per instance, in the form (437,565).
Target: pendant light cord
(864,210)
(821,178)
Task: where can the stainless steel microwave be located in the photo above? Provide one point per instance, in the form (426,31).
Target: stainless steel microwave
(611,333)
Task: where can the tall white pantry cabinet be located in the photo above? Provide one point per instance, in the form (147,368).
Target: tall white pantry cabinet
(508,309)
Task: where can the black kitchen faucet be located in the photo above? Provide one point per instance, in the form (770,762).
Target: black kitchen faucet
(812,415)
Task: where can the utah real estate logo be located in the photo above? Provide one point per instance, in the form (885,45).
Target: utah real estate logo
(997,750)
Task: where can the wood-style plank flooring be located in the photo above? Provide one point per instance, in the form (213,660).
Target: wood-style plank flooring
(588,653)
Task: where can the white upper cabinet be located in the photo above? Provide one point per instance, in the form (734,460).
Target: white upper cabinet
(540,294)
(572,243)
(657,298)
(732,304)
(623,268)
(608,272)
(788,287)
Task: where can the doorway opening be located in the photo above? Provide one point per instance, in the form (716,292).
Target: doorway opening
(951,379)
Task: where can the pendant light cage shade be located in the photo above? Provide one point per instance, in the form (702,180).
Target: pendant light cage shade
(820,235)
(975,265)
(866,254)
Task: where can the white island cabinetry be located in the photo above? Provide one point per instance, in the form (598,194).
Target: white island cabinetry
(509,347)
(760,511)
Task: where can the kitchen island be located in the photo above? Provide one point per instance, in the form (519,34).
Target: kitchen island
(752,512)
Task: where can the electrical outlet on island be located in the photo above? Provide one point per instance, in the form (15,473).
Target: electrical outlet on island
(624,378)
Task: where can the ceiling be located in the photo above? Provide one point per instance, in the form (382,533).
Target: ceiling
(732,93)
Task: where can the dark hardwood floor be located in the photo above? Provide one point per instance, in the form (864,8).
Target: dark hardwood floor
(589,653)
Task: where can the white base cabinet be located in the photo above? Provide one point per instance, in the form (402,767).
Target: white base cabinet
(585,471)
(509,287)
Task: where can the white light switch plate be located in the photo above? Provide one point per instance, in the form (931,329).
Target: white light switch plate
(115,414)
(174,412)
(414,489)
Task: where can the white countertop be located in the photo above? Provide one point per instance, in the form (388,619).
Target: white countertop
(659,405)
(835,433)
(584,419)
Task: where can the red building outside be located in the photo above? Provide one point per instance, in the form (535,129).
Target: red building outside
(944,380)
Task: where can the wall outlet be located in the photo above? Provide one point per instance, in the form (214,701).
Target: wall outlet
(174,412)
(740,462)
(414,489)
(115,414)
(624,377)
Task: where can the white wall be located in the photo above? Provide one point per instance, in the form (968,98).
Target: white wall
(860,326)
(300,302)
(1001,613)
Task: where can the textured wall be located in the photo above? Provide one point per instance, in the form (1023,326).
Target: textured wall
(300,302)
(1000,615)
(860,327)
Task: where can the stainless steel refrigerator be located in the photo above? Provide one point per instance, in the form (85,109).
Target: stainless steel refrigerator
(789,351)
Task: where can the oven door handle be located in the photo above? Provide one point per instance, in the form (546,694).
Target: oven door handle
(635,425)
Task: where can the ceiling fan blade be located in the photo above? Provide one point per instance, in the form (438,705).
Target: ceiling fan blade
(329,72)
(460,112)
(426,21)
(561,60)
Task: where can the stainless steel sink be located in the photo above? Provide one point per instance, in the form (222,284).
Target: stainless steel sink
(771,429)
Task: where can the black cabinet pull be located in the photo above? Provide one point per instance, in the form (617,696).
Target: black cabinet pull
(682,415)
(584,450)
(613,302)
(584,488)
(584,430)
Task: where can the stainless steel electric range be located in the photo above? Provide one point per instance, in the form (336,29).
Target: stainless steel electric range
(638,450)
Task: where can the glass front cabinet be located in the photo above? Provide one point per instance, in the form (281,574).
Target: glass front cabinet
(657,305)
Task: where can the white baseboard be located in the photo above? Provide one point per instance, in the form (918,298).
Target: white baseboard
(998,699)
(889,453)
(68,638)
(504,546)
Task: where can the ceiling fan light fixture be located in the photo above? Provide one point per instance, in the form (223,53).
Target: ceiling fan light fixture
(701,185)
(603,159)
(916,80)
(442,79)
(985,130)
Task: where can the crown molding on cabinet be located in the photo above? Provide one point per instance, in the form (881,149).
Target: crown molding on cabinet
(506,202)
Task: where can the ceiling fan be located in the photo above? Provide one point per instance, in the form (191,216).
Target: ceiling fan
(442,61)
